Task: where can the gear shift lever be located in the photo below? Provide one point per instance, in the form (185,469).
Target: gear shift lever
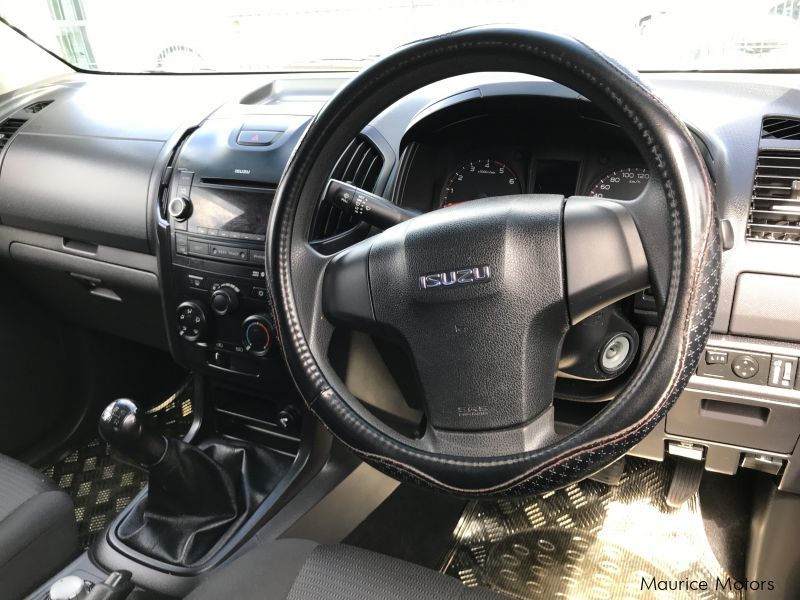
(122,426)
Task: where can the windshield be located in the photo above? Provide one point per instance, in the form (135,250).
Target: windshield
(296,35)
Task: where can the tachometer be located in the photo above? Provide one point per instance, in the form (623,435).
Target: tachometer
(622,184)
(482,178)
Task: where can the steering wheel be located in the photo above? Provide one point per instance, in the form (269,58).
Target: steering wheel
(520,270)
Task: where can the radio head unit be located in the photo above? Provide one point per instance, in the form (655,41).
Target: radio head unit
(220,211)
(219,222)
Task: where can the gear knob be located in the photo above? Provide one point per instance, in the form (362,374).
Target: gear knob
(122,426)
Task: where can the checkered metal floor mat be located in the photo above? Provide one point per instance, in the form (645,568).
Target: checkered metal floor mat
(100,483)
(588,541)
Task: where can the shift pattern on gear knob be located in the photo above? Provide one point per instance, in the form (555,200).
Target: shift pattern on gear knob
(122,425)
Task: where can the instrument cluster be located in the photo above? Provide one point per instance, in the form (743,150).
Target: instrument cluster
(506,149)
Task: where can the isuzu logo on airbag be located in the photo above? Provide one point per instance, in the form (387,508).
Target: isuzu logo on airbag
(455,277)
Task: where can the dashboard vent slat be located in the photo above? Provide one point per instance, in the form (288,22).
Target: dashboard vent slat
(780,128)
(775,202)
(8,128)
(360,164)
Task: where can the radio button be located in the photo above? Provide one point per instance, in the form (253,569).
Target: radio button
(258,293)
(180,208)
(197,282)
(257,256)
(198,247)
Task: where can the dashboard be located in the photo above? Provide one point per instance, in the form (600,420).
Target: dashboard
(137,205)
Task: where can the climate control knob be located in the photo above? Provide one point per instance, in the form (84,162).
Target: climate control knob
(180,208)
(192,324)
(224,301)
(257,334)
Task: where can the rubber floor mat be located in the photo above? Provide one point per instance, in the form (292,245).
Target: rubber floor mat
(589,541)
(101,483)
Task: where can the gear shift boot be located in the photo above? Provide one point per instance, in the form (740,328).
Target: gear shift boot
(197,497)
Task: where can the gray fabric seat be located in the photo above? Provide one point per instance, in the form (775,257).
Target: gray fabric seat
(304,570)
(38,534)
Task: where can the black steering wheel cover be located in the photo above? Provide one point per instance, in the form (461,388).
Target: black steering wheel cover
(694,274)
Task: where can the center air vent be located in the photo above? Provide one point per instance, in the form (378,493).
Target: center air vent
(361,165)
(8,128)
(775,205)
(780,128)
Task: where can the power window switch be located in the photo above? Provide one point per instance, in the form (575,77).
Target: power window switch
(782,371)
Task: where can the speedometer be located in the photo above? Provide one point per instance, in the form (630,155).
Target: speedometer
(622,184)
(482,178)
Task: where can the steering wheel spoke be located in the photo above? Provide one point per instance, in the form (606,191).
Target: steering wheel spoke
(535,433)
(346,294)
(651,213)
(604,255)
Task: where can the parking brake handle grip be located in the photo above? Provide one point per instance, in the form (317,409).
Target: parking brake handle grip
(370,208)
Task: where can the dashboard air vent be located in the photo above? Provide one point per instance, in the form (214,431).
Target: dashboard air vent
(361,165)
(775,205)
(780,128)
(8,128)
(37,106)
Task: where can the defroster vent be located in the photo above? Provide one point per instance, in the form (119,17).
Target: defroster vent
(361,164)
(775,206)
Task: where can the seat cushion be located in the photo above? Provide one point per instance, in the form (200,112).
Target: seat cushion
(38,534)
(303,570)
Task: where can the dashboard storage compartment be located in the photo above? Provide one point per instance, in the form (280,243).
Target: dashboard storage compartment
(749,422)
(108,297)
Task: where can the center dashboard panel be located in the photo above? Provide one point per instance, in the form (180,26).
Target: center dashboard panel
(214,210)
(214,206)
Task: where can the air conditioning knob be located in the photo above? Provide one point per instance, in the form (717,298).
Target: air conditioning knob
(257,334)
(180,208)
(224,301)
